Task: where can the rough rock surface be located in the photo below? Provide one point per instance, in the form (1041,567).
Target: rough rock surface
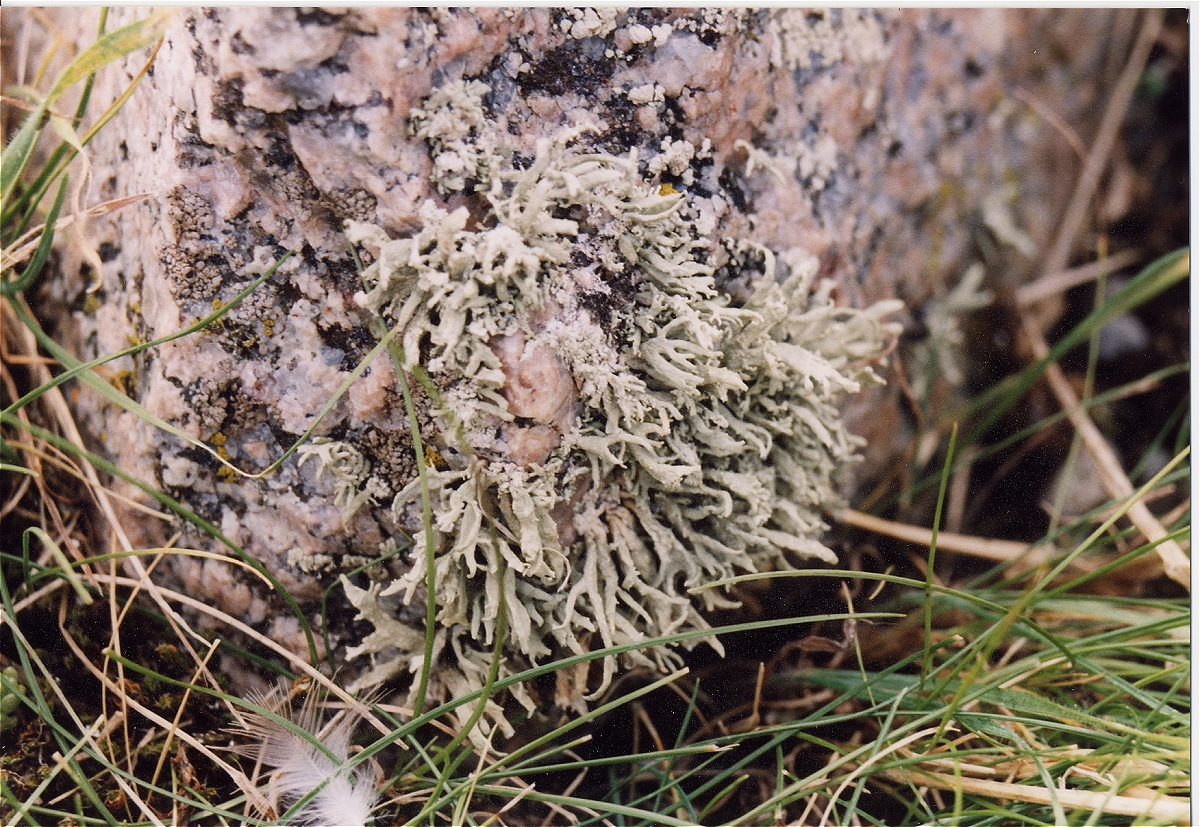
(889,145)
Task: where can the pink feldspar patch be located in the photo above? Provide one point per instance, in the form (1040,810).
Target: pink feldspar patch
(538,387)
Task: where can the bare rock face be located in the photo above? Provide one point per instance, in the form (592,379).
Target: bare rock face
(877,149)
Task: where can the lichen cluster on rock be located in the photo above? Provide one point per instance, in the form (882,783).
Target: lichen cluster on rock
(615,431)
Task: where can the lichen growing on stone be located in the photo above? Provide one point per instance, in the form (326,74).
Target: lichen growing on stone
(453,122)
(355,486)
(616,431)
(799,38)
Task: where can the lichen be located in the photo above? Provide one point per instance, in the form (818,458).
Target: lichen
(454,123)
(590,22)
(614,431)
(998,217)
(940,355)
(646,93)
(800,38)
(354,484)
(757,159)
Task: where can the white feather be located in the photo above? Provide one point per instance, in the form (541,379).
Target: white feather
(298,765)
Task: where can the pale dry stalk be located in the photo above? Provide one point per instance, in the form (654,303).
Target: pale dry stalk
(1165,808)
(1098,157)
(1175,561)
(999,551)
(295,661)
(60,412)
(1055,284)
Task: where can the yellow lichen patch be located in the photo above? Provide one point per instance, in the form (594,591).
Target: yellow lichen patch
(224,473)
(91,304)
(216,325)
(434,459)
(268,327)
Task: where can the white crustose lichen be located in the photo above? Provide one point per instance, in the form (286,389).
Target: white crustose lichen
(615,431)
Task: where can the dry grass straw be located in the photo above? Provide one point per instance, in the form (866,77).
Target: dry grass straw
(1175,562)
(961,777)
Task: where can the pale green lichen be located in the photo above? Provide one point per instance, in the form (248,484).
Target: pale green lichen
(758,159)
(354,485)
(940,355)
(590,22)
(798,38)
(627,433)
(454,123)
(998,217)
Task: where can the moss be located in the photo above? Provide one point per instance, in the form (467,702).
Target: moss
(608,462)
(11,692)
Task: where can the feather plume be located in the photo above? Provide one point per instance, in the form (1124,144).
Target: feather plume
(302,753)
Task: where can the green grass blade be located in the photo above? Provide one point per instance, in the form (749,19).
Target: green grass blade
(110,47)
(16,155)
(42,252)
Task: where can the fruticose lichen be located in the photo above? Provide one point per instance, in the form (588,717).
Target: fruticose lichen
(940,355)
(615,431)
(355,486)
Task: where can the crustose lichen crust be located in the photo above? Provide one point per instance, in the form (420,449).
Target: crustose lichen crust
(615,430)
